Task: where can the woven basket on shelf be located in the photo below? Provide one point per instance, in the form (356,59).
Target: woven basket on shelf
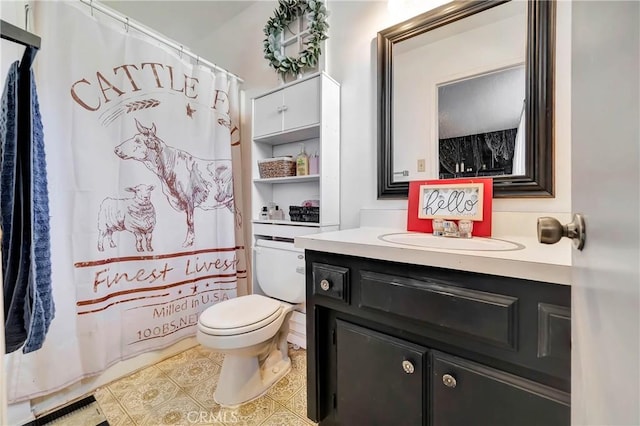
(277,167)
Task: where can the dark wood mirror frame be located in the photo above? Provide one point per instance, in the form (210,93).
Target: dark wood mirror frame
(540,63)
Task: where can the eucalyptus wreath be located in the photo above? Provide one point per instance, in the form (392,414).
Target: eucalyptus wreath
(287,12)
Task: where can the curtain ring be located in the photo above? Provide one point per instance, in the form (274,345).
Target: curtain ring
(126,25)
(27,8)
(198,60)
(91,6)
(181,50)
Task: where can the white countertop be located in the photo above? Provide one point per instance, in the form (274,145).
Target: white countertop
(538,262)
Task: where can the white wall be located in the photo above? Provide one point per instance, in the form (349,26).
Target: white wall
(351,60)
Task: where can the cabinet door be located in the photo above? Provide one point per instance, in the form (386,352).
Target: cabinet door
(466,393)
(267,114)
(380,379)
(302,104)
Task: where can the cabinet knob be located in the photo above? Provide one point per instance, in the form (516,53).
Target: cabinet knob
(325,285)
(449,381)
(408,367)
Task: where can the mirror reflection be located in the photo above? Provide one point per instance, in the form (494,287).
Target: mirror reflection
(481,123)
(455,85)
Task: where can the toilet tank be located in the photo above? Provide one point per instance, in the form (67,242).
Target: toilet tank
(279,270)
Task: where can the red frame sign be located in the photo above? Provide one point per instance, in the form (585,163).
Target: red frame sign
(481,228)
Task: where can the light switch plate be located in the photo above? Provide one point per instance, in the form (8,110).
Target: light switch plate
(421,165)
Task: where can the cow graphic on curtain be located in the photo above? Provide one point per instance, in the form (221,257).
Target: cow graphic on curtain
(187,182)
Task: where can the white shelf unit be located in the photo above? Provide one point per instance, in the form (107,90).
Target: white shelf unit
(305,111)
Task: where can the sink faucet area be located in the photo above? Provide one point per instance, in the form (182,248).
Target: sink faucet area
(436,242)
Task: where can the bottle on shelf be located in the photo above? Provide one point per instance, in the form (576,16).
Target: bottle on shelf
(264,214)
(302,162)
(271,207)
(314,164)
(277,214)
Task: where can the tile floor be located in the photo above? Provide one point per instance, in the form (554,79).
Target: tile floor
(179,391)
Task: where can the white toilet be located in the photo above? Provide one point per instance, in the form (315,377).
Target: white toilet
(252,330)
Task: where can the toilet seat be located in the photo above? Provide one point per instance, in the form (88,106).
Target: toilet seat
(240,315)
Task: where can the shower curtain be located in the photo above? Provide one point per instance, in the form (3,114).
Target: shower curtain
(146,223)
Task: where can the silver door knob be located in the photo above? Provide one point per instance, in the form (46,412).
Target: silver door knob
(449,381)
(550,231)
(325,285)
(408,367)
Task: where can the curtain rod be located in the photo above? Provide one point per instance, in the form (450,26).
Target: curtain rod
(138,27)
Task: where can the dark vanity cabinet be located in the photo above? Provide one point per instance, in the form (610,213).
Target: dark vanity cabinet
(399,344)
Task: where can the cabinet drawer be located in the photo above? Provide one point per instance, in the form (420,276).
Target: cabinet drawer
(466,393)
(487,316)
(331,281)
(380,379)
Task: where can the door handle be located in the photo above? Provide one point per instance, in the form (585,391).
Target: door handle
(550,230)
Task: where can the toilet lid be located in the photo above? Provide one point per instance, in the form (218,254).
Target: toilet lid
(240,312)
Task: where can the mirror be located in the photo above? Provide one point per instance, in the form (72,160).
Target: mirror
(458,98)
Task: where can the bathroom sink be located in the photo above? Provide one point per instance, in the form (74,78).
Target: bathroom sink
(429,241)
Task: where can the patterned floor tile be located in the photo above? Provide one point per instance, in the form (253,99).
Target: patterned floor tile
(181,410)
(111,408)
(147,396)
(284,418)
(250,414)
(179,391)
(288,386)
(298,403)
(194,371)
(122,386)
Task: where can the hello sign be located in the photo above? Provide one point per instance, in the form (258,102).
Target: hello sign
(451,199)
(457,201)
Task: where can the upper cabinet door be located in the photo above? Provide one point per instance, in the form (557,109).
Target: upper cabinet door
(267,114)
(289,108)
(302,104)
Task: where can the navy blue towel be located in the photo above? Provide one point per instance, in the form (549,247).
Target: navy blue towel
(24,212)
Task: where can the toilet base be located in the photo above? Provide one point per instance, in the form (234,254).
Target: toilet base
(242,379)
